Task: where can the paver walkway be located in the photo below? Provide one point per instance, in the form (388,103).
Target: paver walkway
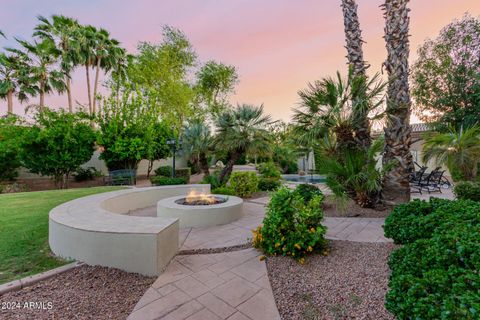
(231,285)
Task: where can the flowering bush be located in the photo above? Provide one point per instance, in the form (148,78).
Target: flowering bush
(291,226)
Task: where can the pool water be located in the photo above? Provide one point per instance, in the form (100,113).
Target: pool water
(309,178)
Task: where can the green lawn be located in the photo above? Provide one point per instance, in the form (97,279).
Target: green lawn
(24,246)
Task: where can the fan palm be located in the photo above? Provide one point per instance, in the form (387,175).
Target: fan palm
(42,58)
(107,53)
(64,32)
(355,175)
(397,131)
(332,104)
(15,80)
(241,131)
(87,40)
(458,149)
(197,142)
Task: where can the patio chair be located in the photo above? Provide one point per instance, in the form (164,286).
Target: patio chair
(433,181)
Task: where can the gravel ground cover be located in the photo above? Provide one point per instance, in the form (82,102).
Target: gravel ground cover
(353,210)
(349,283)
(82,293)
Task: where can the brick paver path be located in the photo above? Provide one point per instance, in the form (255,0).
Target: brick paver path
(232,285)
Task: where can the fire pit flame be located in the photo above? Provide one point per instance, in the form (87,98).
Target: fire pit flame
(193,197)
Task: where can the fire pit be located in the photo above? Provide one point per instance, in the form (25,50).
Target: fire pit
(201,209)
(200,199)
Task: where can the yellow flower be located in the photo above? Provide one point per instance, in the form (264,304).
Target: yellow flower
(261,258)
(301,260)
(312,229)
(293,254)
(296,245)
(277,245)
(309,249)
(284,248)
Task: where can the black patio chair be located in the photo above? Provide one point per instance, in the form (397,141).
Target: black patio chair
(433,181)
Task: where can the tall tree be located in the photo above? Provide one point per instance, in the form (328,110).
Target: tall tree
(107,53)
(397,131)
(215,81)
(64,32)
(42,58)
(15,80)
(446,76)
(87,39)
(353,37)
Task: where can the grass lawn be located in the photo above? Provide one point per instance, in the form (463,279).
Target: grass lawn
(24,246)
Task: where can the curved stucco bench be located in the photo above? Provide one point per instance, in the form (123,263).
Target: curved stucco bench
(97,230)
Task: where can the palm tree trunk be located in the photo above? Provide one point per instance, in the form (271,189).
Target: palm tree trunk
(10,101)
(88,88)
(69,94)
(397,132)
(353,37)
(225,174)
(203,164)
(42,95)
(95,86)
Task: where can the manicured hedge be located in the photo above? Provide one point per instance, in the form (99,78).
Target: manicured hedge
(435,275)
(183,173)
(165,171)
(165,181)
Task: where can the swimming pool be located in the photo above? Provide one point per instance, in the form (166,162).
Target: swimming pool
(308,178)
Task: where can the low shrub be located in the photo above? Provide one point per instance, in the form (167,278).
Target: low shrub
(437,278)
(291,227)
(85,174)
(418,219)
(269,184)
(269,170)
(13,188)
(244,183)
(165,171)
(213,180)
(308,191)
(224,190)
(165,181)
(467,190)
(183,173)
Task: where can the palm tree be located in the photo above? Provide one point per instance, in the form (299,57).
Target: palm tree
(108,54)
(42,58)
(241,131)
(330,104)
(355,174)
(459,150)
(87,56)
(15,80)
(2,34)
(353,36)
(397,131)
(197,143)
(64,32)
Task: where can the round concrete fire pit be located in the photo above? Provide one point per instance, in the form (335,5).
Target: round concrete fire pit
(197,213)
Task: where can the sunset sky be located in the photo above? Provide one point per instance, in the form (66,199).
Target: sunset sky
(277,45)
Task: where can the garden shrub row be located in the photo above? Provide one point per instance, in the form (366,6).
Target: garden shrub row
(435,275)
(292,224)
(166,171)
(166,181)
